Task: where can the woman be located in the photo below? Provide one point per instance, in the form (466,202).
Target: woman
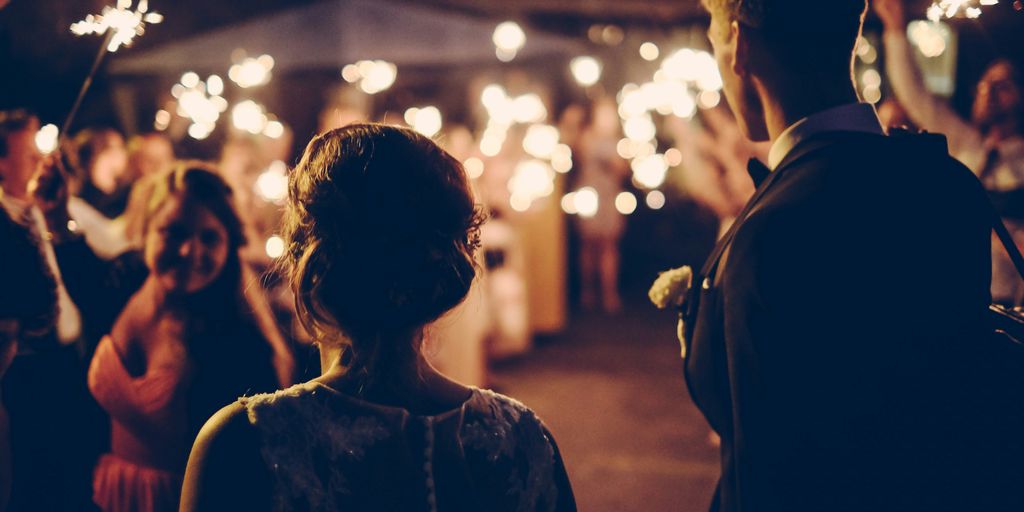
(103,161)
(192,337)
(602,170)
(382,229)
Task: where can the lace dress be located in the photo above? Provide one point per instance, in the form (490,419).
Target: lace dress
(329,451)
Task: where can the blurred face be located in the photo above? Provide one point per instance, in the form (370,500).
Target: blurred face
(153,155)
(606,118)
(23,160)
(998,99)
(186,247)
(736,80)
(110,163)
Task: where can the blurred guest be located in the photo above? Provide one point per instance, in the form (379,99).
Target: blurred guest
(53,439)
(28,303)
(990,143)
(102,190)
(602,169)
(149,154)
(714,162)
(241,162)
(188,333)
(382,230)
(104,163)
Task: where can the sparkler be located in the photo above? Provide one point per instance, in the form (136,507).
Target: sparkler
(957,8)
(120,25)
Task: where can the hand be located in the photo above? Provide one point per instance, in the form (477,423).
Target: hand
(681,334)
(50,191)
(892,14)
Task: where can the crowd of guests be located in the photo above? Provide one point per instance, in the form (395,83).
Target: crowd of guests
(132,316)
(149,340)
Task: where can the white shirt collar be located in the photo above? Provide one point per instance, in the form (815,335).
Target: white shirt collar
(853,117)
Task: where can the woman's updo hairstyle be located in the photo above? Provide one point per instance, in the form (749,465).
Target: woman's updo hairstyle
(381,230)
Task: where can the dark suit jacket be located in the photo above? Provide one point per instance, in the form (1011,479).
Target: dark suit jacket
(823,346)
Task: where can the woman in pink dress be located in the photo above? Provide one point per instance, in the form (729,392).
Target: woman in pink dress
(192,336)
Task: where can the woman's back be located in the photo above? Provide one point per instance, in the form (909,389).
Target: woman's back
(325,450)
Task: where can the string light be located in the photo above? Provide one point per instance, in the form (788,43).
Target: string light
(251,72)
(586,202)
(426,120)
(649,51)
(274,246)
(122,22)
(625,203)
(508,39)
(197,102)
(46,139)
(249,116)
(586,70)
(372,76)
(655,200)
(272,184)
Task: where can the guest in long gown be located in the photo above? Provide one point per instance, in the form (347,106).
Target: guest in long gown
(189,336)
(603,170)
(381,229)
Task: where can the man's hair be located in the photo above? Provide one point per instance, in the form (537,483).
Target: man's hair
(12,121)
(810,35)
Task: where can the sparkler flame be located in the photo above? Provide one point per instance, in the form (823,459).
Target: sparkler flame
(957,8)
(123,23)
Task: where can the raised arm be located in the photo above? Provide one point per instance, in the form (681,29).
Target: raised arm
(926,109)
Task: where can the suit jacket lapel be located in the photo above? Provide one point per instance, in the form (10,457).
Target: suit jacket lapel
(798,153)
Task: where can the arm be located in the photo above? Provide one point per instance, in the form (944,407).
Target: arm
(927,110)
(99,288)
(225,470)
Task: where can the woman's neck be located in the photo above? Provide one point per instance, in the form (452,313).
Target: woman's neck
(416,386)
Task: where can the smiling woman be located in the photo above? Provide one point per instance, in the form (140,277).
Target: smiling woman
(184,333)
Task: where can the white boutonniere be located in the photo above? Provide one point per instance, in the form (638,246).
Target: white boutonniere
(669,290)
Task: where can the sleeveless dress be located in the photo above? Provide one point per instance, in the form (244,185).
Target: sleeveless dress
(149,433)
(326,450)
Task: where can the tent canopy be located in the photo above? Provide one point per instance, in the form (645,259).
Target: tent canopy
(333,33)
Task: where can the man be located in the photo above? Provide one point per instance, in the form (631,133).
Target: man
(829,336)
(51,424)
(28,304)
(991,142)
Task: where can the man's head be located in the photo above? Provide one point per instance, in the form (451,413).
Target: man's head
(999,102)
(149,154)
(20,159)
(781,47)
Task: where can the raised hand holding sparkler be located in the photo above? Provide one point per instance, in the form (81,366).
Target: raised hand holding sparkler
(120,25)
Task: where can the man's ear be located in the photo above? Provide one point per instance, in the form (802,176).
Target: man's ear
(740,36)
